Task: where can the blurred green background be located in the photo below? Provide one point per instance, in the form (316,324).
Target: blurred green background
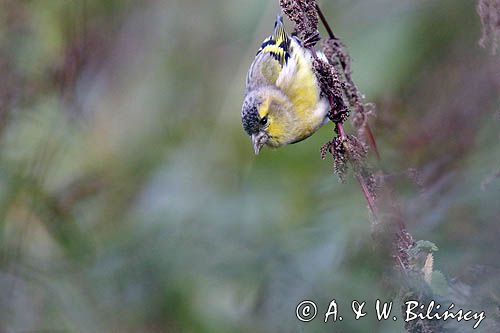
(131,200)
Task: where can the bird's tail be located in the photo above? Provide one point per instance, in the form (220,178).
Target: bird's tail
(279,33)
(279,20)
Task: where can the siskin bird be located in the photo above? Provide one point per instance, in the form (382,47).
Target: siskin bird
(283,102)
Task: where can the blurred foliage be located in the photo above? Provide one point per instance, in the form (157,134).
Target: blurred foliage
(131,201)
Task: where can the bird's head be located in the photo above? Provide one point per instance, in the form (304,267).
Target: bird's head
(266,118)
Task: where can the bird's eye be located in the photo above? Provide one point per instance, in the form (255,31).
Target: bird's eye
(263,121)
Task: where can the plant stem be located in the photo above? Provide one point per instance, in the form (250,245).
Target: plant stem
(325,23)
(368,196)
(340,127)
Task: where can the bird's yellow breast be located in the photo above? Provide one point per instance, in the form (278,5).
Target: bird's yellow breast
(302,89)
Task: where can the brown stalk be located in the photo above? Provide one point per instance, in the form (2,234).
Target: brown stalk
(355,96)
(339,127)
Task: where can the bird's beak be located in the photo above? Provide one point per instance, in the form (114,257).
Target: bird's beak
(258,141)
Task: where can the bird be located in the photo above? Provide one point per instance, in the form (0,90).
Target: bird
(283,103)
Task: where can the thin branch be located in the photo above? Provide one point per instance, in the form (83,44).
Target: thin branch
(368,196)
(325,23)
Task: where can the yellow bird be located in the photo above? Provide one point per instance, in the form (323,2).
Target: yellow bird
(283,102)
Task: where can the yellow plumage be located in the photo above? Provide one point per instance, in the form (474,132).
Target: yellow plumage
(282,103)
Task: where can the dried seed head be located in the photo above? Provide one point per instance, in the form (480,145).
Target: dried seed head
(340,159)
(489,12)
(328,77)
(404,242)
(335,52)
(291,9)
(332,88)
(334,78)
(358,120)
(338,57)
(373,181)
(351,150)
(357,152)
(305,16)
(325,149)
(361,116)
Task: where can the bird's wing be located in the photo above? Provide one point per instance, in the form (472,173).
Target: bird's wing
(297,80)
(271,58)
(297,74)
